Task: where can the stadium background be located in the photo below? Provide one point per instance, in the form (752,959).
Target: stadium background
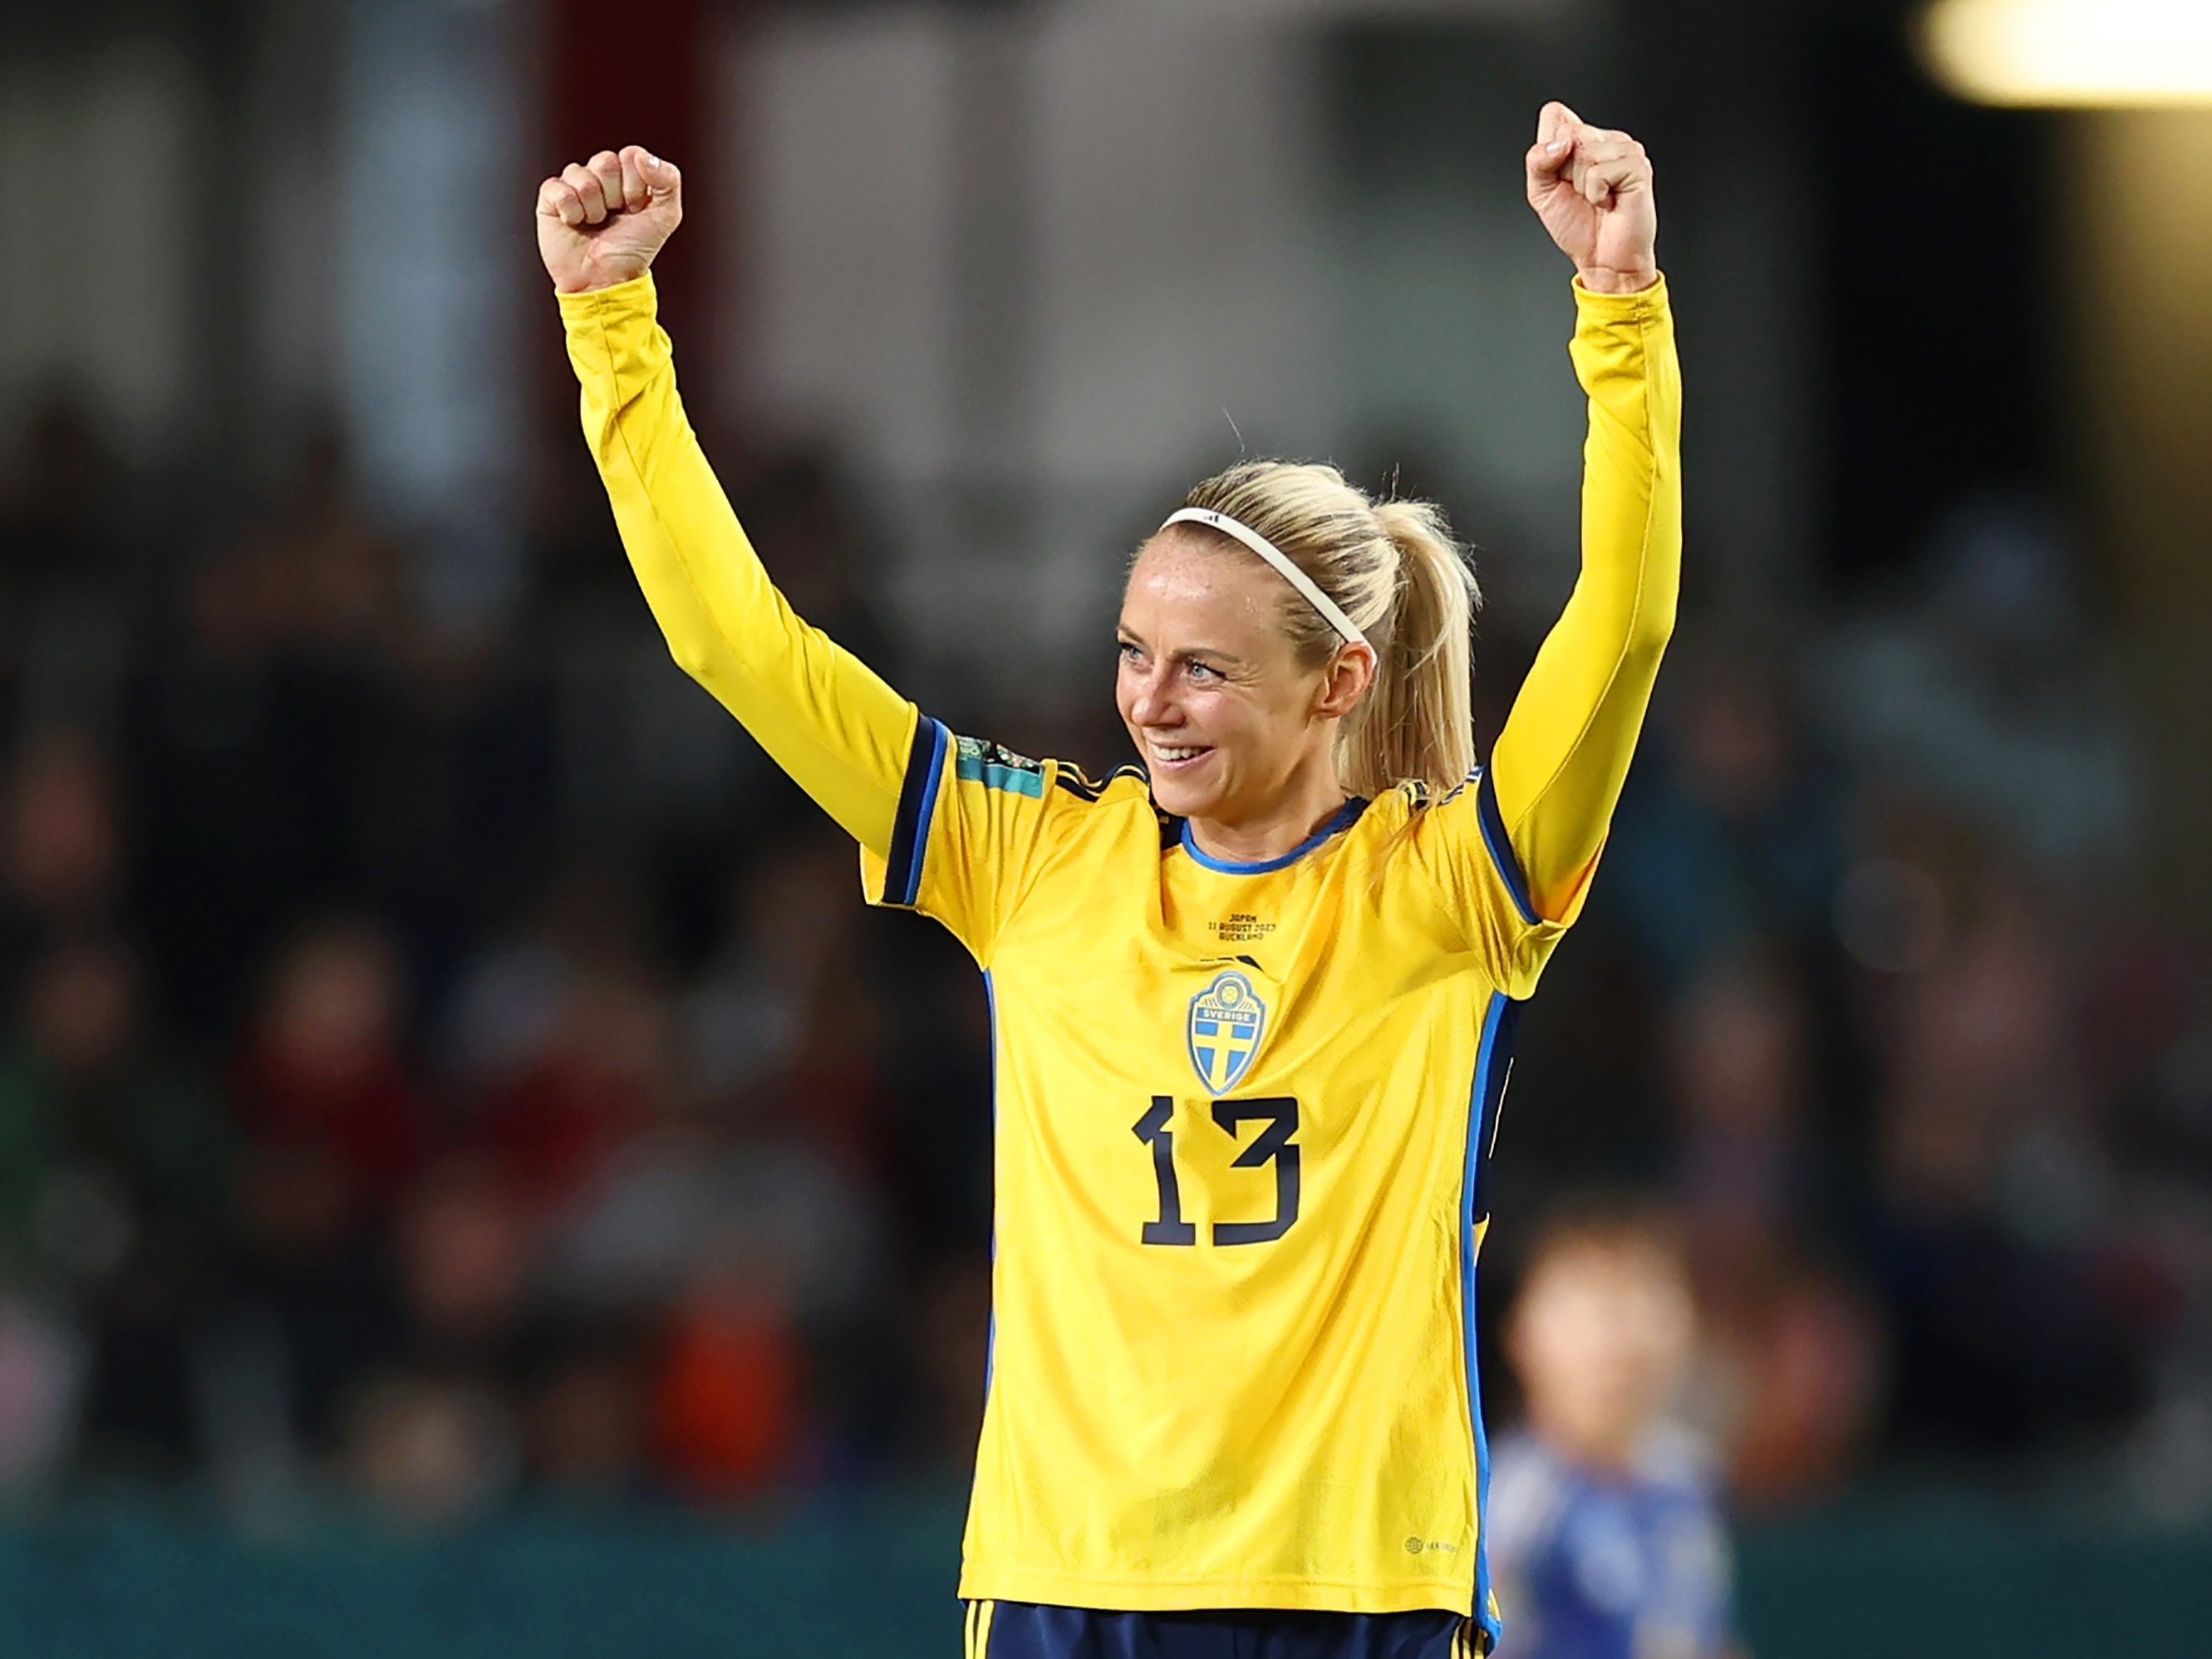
(473,1180)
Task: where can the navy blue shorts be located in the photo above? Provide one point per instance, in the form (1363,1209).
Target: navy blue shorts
(1023,1630)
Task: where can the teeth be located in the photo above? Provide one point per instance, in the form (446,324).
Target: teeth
(1168,754)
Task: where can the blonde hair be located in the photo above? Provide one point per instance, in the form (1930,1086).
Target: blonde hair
(1392,567)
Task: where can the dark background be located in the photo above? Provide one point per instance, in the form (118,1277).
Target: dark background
(453,1101)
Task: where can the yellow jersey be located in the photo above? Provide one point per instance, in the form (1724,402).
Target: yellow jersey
(1242,1111)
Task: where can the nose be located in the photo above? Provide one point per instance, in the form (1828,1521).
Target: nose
(1146,693)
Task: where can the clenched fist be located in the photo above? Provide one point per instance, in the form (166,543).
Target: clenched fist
(601,222)
(1592,189)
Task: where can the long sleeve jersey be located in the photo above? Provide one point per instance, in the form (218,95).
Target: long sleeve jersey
(1242,1110)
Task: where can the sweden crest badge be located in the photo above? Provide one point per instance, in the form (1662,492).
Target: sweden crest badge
(1226,1022)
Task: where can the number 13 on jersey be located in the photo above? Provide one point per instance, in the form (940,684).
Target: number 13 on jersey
(1278,1114)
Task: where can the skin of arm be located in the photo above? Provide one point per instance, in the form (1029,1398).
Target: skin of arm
(1560,763)
(823,715)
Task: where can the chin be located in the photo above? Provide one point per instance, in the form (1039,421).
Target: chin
(1183,798)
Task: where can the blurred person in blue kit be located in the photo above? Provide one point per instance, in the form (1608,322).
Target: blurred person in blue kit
(1606,1532)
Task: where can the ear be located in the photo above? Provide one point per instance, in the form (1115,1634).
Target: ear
(1346,679)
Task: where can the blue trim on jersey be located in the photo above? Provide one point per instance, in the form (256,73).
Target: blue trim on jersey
(1346,815)
(1492,820)
(917,803)
(1493,1067)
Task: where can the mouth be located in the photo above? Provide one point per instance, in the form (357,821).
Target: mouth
(1170,759)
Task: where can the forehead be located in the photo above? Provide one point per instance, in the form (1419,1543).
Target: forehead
(1180,586)
(1610,1264)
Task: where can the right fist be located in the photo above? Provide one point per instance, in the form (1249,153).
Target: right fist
(601,223)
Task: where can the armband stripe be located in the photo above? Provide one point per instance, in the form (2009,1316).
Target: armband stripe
(1501,848)
(925,771)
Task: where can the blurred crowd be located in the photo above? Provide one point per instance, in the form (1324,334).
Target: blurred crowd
(1875,994)
(438,1068)
(446,1068)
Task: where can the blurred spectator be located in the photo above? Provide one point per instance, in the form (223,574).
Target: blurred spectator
(594,1083)
(729,1407)
(57,501)
(1733,830)
(61,845)
(742,1023)
(754,1245)
(743,1198)
(463,1247)
(735,1213)
(429,1452)
(1604,1530)
(1979,690)
(42,1365)
(258,735)
(326,1092)
(432,1435)
(1787,1368)
(335,1124)
(1739,1067)
(788,1005)
(119,1160)
(204,756)
(138,1213)
(585,1411)
(1996,1192)
(323,579)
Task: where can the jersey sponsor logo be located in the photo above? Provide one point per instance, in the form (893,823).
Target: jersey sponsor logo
(1225,1026)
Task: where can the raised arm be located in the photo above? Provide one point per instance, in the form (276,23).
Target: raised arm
(1558,764)
(822,715)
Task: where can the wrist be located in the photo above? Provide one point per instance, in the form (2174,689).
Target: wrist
(573,287)
(582,300)
(1606,279)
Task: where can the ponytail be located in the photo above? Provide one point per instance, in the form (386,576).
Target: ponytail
(1395,571)
(1416,720)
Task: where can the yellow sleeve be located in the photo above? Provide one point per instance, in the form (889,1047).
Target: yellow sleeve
(823,715)
(974,822)
(1557,765)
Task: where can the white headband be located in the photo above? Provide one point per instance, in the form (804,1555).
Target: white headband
(1331,612)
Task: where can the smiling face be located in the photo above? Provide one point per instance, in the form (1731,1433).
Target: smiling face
(1230,724)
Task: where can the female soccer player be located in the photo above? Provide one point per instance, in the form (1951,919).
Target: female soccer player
(1253,1000)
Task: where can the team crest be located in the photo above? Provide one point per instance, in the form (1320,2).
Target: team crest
(1227,1020)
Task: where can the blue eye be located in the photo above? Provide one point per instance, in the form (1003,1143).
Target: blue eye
(1200,670)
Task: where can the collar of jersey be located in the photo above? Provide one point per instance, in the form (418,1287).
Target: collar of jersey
(1345,817)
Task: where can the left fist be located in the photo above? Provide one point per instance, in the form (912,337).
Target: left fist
(1592,189)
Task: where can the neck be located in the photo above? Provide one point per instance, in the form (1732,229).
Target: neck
(1310,797)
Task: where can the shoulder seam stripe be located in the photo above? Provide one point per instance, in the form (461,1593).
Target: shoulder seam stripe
(1083,787)
(1501,847)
